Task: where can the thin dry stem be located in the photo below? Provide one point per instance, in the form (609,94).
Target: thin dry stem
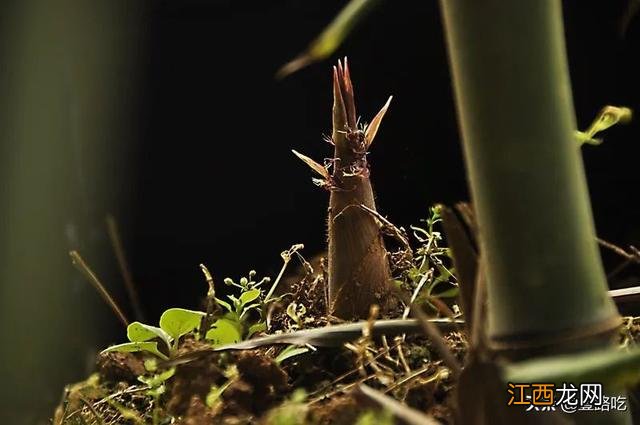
(212,306)
(79,263)
(286,257)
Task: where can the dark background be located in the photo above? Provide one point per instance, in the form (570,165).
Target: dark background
(204,170)
(214,180)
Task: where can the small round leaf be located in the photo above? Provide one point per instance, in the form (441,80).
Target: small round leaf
(224,331)
(179,321)
(139,332)
(249,296)
(135,347)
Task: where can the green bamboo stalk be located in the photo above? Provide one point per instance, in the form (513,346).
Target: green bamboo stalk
(546,286)
(545,277)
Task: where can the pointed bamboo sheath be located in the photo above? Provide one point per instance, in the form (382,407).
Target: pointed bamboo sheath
(359,272)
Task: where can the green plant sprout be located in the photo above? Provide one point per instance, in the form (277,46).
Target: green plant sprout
(235,322)
(296,312)
(429,269)
(129,415)
(156,386)
(607,117)
(156,382)
(247,284)
(174,324)
(214,396)
(177,322)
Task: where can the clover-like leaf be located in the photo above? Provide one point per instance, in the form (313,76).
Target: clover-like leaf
(224,331)
(135,347)
(179,321)
(139,332)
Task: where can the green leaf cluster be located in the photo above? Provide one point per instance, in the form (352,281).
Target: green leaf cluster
(174,324)
(432,274)
(233,325)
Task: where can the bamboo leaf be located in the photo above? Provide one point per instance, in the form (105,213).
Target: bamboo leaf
(331,37)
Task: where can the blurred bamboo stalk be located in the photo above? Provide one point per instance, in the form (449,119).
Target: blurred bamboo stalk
(546,287)
(67,67)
